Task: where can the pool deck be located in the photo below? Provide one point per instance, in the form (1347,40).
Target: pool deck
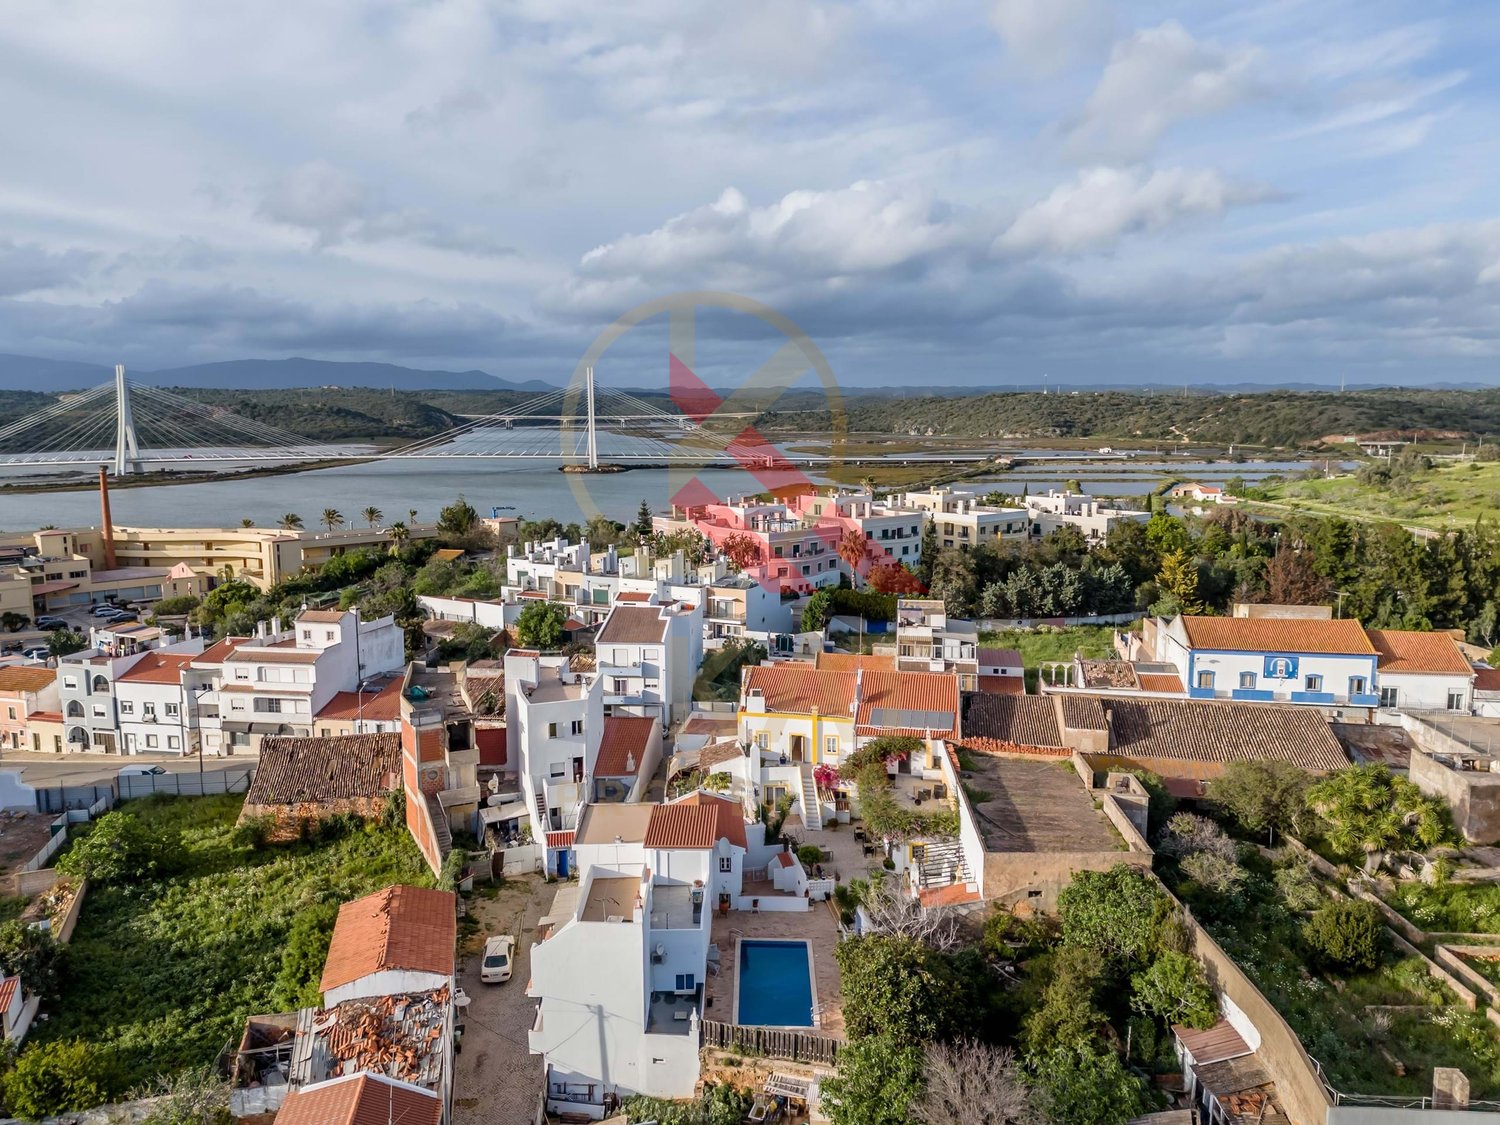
(817,926)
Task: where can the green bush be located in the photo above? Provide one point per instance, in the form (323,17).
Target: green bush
(719,1104)
(1174,990)
(809,854)
(34,955)
(1346,935)
(51,1078)
(122,848)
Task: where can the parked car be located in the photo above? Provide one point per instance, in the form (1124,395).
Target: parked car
(50,623)
(499,953)
(37,654)
(103,609)
(142,771)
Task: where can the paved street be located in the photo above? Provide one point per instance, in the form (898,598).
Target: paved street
(497,1079)
(46,770)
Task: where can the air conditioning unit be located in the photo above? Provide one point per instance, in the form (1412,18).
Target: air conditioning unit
(659,954)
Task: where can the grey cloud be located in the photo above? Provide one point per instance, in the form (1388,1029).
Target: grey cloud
(26,267)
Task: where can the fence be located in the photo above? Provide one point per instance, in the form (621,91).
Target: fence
(186,784)
(49,849)
(776,1042)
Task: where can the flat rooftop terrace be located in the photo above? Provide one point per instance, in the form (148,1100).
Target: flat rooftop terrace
(1036,806)
(610,896)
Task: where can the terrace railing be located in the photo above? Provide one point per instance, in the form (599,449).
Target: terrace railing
(775,1042)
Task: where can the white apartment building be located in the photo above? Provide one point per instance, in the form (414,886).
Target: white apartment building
(86,682)
(554,721)
(647,656)
(929,640)
(155,712)
(962,519)
(890,531)
(1092,516)
(796,555)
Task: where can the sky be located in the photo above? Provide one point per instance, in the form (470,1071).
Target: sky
(1011,193)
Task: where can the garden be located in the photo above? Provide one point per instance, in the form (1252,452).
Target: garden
(190,926)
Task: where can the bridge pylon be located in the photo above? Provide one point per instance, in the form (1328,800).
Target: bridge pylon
(127,446)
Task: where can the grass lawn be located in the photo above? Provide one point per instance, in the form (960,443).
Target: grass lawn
(166,971)
(1036,648)
(1447,496)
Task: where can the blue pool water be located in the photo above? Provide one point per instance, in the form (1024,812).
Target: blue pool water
(775,984)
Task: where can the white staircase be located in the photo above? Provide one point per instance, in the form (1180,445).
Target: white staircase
(812,808)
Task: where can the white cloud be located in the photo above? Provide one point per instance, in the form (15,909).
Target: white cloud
(1044,36)
(1104,204)
(1154,79)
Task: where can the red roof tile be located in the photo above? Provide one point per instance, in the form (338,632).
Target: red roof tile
(622,746)
(560,839)
(155,668)
(24,678)
(934,692)
(8,989)
(1212,1045)
(1003,685)
(401,927)
(1277,634)
(798,689)
(633,597)
(361,1099)
(999,657)
(785,859)
(1406,650)
(633,625)
(1160,681)
(217,652)
(853,661)
(696,821)
(1487,679)
(378,706)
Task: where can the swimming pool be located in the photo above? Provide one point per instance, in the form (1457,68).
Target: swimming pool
(774,986)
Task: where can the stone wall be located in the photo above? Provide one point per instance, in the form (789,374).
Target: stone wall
(287,820)
(1034,879)
(1473,795)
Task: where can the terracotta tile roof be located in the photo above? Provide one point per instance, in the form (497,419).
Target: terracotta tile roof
(322,616)
(1405,650)
(44,717)
(886,695)
(1016,720)
(155,668)
(853,661)
(379,706)
(633,625)
(360,1100)
(713,754)
(1082,712)
(623,745)
(633,597)
(1003,685)
(1159,681)
(23,677)
(218,652)
(401,927)
(8,989)
(696,821)
(560,839)
(1277,634)
(296,771)
(1208,731)
(798,689)
(1000,657)
(1486,679)
(785,859)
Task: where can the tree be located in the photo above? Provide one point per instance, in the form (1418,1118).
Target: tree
(643,520)
(291,522)
(58,1077)
(372,515)
(540,625)
(1262,796)
(853,549)
(458,518)
(968,1081)
(743,551)
(246,521)
(890,577)
(1347,934)
(1072,486)
(954,581)
(1178,579)
(891,985)
(34,955)
(1112,912)
(13,622)
(1291,580)
(1085,1084)
(929,550)
(332,519)
(121,848)
(62,642)
(399,535)
(878,1079)
(1068,1012)
(1174,990)
(817,611)
(1368,809)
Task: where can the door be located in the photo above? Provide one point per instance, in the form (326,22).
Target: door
(798,747)
(577,769)
(562,864)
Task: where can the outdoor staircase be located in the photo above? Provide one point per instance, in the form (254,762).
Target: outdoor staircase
(812,808)
(942,865)
(439,817)
(541,812)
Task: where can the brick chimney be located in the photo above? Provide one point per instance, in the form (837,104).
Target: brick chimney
(105,522)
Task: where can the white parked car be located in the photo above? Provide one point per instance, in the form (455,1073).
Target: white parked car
(499,953)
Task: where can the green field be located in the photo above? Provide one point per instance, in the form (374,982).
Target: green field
(1444,497)
(165,971)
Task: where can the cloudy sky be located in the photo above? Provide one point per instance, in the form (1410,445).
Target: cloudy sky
(938,193)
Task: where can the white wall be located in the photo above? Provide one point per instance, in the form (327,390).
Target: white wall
(388,982)
(1428,691)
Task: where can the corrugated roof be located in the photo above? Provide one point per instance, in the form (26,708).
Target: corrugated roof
(1019,720)
(401,927)
(623,745)
(799,689)
(1160,681)
(8,988)
(1000,657)
(1277,634)
(633,625)
(361,1099)
(1003,685)
(155,668)
(26,677)
(1209,731)
(1406,650)
(1487,679)
(1215,1044)
(560,839)
(295,771)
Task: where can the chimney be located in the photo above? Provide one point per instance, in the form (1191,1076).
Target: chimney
(630,762)
(106,523)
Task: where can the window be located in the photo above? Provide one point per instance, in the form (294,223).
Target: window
(575,727)
(242,673)
(558,770)
(268,706)
(1388,696)
(686,982)
(70,681)
(831,746)
(173,742)
(1314,683)
(763,739)
(726,864)
(98,711)
(1247,679)
(127,707)
(1356,685)
(239,738)
(1456,701)
(307,634)
(551,730)
(1206,680)
(172,709)
(328,635)
(151,741)
(10,712)
(620,686)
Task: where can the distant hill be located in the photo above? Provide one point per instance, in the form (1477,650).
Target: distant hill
(31,373)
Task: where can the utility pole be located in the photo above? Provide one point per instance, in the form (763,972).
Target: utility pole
(127,448)
(593,433)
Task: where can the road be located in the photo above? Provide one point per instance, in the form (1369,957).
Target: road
(42,771)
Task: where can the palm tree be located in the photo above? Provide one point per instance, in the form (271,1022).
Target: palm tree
(332,519)
(247,522)
(291,522)
(372,515)
(411,515)
(399,534)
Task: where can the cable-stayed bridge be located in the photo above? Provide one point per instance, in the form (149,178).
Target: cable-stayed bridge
(136,427)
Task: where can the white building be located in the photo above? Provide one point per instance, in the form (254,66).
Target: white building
(1093,517)
(962,519)
(155,711)
(554,721)
(929,640)
(1422,671)
(86,682)
(648,656)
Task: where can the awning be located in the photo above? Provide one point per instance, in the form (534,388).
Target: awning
(52,587)
(240,726)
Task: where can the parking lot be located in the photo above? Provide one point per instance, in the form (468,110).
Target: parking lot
(79,618)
